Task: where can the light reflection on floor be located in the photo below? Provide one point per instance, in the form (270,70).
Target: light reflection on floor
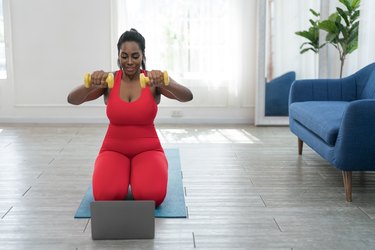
(179,135)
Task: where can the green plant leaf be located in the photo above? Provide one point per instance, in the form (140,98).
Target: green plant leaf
(306,35)
(333,17)
(344,31)
(314,13)
(307,49)
(316,34)
(353,34)
(329,26)
(303,45)
(353,38)
(314,31)
(352,46)
(344,46)
(347,4)
(354,29)
(338,18)
(311,44)
(331,37)
(355,15)
(343,15)
(355,4)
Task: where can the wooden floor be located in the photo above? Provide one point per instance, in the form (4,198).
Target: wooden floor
(246,188)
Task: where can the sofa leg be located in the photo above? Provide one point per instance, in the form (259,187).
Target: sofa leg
(300,146)
(347,176)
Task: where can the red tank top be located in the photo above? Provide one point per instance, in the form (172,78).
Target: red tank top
(141,111)
(131,129)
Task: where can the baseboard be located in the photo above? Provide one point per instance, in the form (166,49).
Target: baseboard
(90,120)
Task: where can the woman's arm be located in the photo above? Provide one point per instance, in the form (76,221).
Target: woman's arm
(82,94)
(97,88)
(176,91)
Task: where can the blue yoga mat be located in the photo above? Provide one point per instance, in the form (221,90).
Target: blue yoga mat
(173,205)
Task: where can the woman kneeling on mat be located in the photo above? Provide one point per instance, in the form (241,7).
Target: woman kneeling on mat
(131,153)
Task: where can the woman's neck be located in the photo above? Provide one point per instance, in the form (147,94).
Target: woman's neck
(131,78)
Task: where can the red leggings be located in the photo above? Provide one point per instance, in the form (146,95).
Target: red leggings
(138,162)
(146,173)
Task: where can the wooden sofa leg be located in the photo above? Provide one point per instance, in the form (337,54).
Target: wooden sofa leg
(300,146)
(347,176)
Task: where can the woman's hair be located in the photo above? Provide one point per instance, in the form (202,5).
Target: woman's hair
(133,35)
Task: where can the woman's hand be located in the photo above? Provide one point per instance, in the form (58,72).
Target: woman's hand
(98,79)
(97,88)
(156,78)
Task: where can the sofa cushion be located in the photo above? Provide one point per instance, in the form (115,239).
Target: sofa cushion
(323,118)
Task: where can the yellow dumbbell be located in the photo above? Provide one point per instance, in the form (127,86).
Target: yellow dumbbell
(145,80)
(109,80)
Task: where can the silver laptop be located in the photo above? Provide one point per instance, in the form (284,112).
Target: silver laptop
(111,220)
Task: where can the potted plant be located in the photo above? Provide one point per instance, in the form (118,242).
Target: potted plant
(341,27)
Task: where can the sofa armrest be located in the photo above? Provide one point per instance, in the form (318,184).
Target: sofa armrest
(323,90)
(355,145)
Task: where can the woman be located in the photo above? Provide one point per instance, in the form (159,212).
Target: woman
(131,153)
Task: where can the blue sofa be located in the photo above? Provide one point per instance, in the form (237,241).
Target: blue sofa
(336,118)
(277,94)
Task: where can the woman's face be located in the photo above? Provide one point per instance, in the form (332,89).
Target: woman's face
(130,58)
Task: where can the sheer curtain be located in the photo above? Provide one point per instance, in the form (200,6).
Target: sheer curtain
(285,17)
(198,42)
(366,37)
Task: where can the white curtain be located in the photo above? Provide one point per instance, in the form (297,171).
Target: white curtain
(198,42)
(287,17)
(366,47)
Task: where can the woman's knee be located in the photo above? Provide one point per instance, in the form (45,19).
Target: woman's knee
(156,194)
(111,176)
(109,194)
(149,176)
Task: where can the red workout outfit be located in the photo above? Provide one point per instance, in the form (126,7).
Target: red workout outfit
(131,153)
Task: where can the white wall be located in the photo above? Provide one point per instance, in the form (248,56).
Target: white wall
(51,44)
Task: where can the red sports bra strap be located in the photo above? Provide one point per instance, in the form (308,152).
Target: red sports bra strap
(118,77)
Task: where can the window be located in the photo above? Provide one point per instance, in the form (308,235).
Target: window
(198,42)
